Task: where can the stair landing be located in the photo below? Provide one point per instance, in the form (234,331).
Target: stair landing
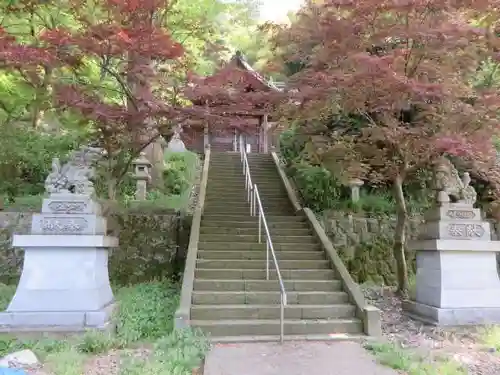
(293,358)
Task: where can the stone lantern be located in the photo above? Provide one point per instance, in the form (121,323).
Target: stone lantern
(142,175)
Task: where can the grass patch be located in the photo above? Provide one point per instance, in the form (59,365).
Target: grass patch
(146,311)
(175,354)
(27,203)
(145,315)
(6,294)
(67,362)
(393,356)
(95,342)
(490,337)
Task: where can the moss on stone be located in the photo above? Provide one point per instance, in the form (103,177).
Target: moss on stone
(372,262)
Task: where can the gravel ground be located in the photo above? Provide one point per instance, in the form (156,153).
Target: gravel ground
(109,364)
(461,344)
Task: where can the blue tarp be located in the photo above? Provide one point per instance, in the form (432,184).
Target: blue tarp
(11,371)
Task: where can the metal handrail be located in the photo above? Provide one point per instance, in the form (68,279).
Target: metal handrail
(253,197)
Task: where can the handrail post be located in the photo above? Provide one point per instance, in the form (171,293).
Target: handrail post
(260,227)
(255,200)
(267,259)
(282,318)
(252,200)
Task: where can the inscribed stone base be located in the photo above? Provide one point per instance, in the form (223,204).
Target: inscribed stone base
(452,316)
(458,279)
(62,278)
(57,321)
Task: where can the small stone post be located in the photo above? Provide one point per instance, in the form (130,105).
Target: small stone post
(141,175)
(355,186)
(64,285)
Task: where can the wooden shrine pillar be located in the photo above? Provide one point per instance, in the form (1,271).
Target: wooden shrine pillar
(264,135)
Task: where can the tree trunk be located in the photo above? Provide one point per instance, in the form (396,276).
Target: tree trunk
(400,237)
(112,185)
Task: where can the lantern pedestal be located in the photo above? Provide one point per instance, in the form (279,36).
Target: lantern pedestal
(64,285)
(457,276)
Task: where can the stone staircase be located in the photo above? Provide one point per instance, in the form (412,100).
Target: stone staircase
(231,298)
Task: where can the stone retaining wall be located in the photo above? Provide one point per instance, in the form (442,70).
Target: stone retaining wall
(365,244)
(151,246)
(348,230)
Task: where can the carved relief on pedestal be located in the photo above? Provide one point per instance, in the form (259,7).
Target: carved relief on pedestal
(460,214)
(63,225)
(466,230)
(67,207)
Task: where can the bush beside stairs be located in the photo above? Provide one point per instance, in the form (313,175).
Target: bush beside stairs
(231,298)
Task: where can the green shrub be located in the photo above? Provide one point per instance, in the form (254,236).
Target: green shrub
(179,177)
(27,203)
(146,311)
(319,189)
(147,248)
(25,158)
(95,342)
(369,205)
(291,146)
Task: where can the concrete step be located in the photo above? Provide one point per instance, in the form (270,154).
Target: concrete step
(257,255)
(216,328)
(242,204)
(241,199)
(321,337)
(233,208)
(266,298)
(229,312)
(296,217)
(247,246)
(257,175)
(265,180)
(267,285)
(238,166)
(226,188)
(254,231)
(320,264)
(251,224)
(260,274)
(241,194)
(255,238)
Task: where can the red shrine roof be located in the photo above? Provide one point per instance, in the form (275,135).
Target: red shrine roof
(240,62)
(235,76)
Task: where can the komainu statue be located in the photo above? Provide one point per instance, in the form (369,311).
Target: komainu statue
(450,187)
(76,175)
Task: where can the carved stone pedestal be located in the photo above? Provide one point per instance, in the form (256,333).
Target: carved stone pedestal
(64,284)
(457,277)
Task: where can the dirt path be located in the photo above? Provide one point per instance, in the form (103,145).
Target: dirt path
(293,358)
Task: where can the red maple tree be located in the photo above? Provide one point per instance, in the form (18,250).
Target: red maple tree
(391,80)
(138,60)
